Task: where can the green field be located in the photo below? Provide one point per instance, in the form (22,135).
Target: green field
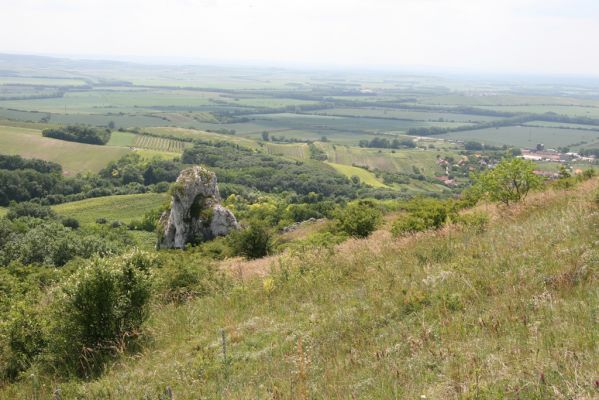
(386,160)
(406,114)
(122,139)
(74,157)
(123,208)
(158,143)
(524,136)
(366,177)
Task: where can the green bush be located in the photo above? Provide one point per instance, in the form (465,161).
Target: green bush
(423,215)
(252,242)
(70,223)
(29,209)
(359,219)
(98,311)
(183,277)
(23,340)
(475,221)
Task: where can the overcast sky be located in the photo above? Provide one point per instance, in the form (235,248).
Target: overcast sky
(530,36)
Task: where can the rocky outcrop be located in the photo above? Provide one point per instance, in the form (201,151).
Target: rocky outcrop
(195,214)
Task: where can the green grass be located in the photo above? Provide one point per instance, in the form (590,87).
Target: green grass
(507,313)
(366,177)
(123,208)
(122,139)
(74,157)
(3,211)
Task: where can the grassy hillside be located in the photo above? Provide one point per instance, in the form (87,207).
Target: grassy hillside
(74,157)
(122,208)
(506,313)
(365,176)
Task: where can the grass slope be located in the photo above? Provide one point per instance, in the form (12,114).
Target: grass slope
(74,157)
(123,208)
(508,313)
(365,176)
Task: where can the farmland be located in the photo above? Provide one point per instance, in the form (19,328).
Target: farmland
(74,157)
(158,143)
(525,136)
(123,208)
(159,111)
(365,176)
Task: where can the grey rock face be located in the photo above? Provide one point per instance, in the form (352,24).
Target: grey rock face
(196,214)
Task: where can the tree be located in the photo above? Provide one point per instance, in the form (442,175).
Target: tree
(265,136)
(509,182)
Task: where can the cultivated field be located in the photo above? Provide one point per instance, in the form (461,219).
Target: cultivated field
(160,144)
(74,157)
(123,208)
(365,176)
(525,136)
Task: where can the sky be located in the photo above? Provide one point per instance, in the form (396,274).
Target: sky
(496,36)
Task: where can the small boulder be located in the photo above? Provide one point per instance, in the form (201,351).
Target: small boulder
(195,214)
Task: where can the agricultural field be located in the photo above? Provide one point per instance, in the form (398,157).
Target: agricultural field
(573,111)
(486,99)
(390,113)
(295,150)
(525,136)
(365,176)
(388,160)
(158,143)
(125,208)
(122,139)
(74,157)
(102,101)
(187,134)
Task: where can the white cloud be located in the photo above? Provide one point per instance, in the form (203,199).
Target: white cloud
(555,36)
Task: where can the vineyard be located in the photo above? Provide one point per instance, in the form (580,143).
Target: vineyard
(157,143)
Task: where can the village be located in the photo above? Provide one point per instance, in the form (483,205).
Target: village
(478,161)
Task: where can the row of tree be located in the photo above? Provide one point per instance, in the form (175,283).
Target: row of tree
(79,133)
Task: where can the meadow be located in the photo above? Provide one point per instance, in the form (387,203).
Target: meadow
(457,313)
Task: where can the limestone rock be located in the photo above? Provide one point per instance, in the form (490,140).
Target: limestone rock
(196,214)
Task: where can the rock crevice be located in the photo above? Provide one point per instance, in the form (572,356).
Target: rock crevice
(195,214)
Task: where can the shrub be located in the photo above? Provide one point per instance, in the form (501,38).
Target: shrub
(359,219)
(476,221)
(70,223)
(29,209)
(423,215)
(183,277)
(99,310)
(252,242)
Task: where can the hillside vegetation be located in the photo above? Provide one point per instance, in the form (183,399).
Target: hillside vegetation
(503,312)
